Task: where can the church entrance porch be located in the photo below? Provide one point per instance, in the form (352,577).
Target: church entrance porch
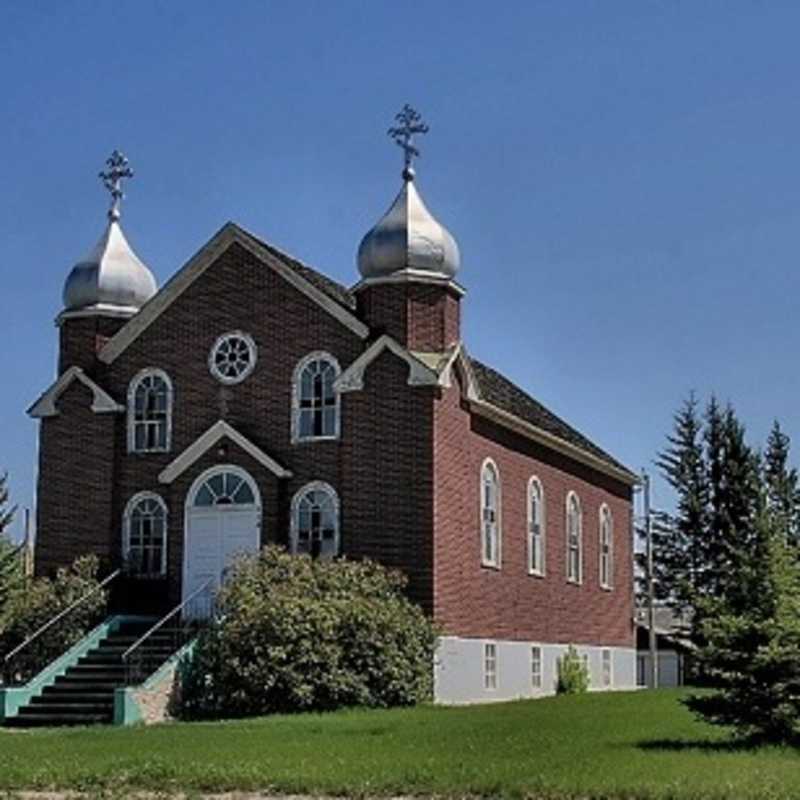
(223,521)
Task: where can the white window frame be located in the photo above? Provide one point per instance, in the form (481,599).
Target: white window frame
(149,372)
(536,667)
(490,661)
(606,558)
(587,665)
(571,578)
(251,346)
(608,668)
(536,567)
(314,486)
(495,562)
(297,385)
(126,528)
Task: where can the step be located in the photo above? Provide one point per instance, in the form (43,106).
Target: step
(37,710)
(53,695)
(81,688)
(22,720)
(88,684)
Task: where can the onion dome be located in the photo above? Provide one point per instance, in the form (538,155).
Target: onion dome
(111,278)
(408,239)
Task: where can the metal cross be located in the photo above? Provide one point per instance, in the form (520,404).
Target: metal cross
(409,123)
(118,169)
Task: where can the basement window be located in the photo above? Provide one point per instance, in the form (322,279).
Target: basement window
(489,665)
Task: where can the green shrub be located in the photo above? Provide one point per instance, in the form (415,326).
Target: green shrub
(573,675)
(29,603)
(296,634)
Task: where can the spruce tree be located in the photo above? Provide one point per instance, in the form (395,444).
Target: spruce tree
(10,562)
(679,543)
(751,635)
(783,495)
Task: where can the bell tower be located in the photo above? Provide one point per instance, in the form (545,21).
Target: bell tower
(107,287)
(408,263)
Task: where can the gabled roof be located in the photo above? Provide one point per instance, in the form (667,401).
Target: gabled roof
(219,430)
(498,391)
(102,402)
(328,294)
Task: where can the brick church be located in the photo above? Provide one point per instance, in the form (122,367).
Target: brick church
(251,400)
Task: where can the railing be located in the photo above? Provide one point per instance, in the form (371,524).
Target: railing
(163,640)
(21,664)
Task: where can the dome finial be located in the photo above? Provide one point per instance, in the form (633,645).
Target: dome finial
(409,123)
(118,168)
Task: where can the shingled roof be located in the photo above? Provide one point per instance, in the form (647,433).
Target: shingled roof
(498,390)
(326,285)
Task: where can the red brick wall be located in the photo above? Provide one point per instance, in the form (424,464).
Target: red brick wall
(382,472)
(477,601)
(74,499)
(421,316)
(80,339)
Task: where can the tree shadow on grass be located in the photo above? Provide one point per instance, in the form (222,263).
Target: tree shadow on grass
(701,745)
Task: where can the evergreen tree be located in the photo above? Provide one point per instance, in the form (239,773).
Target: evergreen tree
(6,512)
(10,562)
(751,636)
(783,495)
(679,568)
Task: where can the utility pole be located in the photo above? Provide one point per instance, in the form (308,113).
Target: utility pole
(651,584)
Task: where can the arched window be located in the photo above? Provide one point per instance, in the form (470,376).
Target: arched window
(225,487)
(315,403)
(490,514)
(536,532)
(574,539)
(606,548)
(150,412)
(315,521)
(145,535)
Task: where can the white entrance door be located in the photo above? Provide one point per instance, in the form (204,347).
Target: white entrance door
(223,520)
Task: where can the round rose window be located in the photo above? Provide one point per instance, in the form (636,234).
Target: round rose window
(232,357)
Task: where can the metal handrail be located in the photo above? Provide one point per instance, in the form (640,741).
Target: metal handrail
(160,624)
(34,636)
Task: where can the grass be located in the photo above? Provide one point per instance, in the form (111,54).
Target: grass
(638,744)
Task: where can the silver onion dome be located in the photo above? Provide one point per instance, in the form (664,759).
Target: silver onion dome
(111,277)
(408,239)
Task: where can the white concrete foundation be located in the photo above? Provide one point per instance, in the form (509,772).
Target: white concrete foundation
(460,669)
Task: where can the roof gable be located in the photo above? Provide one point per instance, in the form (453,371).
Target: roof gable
(102,402)
(327,294)
(219,430)
(419,374)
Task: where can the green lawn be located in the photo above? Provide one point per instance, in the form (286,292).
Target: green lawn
(597,746)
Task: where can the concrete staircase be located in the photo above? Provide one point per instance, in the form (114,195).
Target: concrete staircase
(84,694)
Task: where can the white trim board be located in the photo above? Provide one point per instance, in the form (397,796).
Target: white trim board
(229,234)
(419,374)
(102,402)
(219,430)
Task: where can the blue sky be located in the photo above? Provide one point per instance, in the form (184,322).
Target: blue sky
(622,178)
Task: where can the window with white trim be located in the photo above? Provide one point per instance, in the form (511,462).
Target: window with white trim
(489,665)
(315,402)
(536,667)
(574,539)
(607,673)
(606,548)
(150,412)
(587,667)
(232,357)
(536,533)
(145,535)
(490,514)
(315,521)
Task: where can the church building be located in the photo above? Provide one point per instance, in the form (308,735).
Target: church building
(253,400)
